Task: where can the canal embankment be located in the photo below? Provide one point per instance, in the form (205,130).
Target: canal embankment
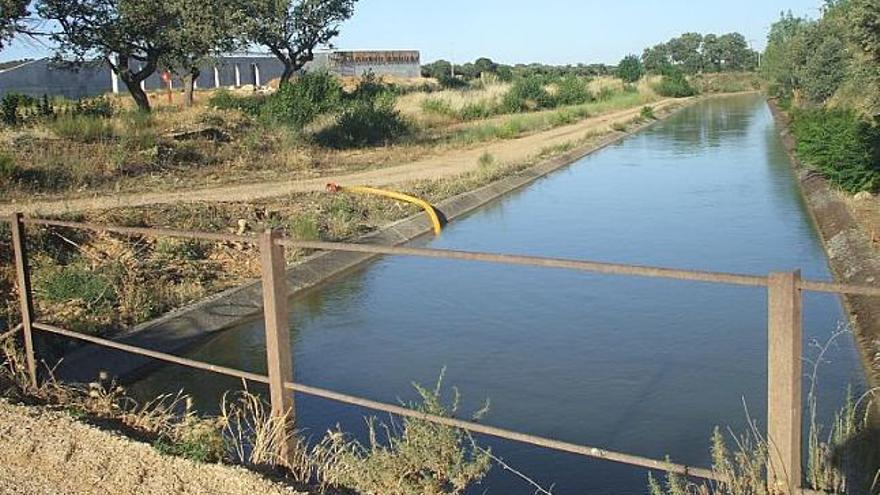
(188,326)
(851,256)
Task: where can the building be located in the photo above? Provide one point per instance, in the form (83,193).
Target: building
(44,76)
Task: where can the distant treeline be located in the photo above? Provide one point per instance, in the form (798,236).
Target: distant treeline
(694,53)
(446,73)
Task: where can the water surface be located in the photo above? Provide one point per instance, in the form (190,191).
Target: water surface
(643,366)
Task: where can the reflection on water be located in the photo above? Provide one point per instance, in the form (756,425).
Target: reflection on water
(638,365)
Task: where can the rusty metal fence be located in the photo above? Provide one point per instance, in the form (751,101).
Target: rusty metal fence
(784,330)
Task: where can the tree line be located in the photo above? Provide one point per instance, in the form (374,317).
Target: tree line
(453,75)
(694,53)
(137,38)
(826,73)
(838,55)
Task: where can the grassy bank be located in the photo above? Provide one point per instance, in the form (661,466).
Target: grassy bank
(100,283)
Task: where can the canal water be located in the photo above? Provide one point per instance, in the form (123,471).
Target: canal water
(642,366)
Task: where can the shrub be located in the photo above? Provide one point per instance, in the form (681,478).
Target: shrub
(674,84)
(841,145)
(418,457)
(449,82)
(83,129)
(9,172)
(630,69)
(365,124)
(476,111)
(527,93)
(99,107)
(369,118)
(10,105)
(437,106)
(223,99)
(605,94)
(647,113)
(573,90)
(300,101)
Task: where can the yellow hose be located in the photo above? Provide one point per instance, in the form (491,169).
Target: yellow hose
(436,222)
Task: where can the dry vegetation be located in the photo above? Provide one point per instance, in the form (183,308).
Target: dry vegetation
(100,283)
(414,457)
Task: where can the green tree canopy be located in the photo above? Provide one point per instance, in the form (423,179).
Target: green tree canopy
(205,28)
(630,69)
(130,35)
(293,29)
(12,16)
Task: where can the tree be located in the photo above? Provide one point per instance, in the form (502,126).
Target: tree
(130,35)
(205,28)
(865,27)
(437,70)
(735,52)
(785,53)
(713,53)
(654,59)
(685,52)
(12,15)
(293,29)
(485,65)
(630,69)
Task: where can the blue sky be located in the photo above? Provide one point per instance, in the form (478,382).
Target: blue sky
(548,31)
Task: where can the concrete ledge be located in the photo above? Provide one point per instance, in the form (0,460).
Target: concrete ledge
(851,257)
(183,328)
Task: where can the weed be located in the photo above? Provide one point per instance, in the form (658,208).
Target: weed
(420,457)
(486,160)
(305,227)
(618,127)
(647,113)
(83,129)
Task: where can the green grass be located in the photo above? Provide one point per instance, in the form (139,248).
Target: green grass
(519,124)
(83,129)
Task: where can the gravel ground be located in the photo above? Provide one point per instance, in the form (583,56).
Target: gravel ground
(45,452)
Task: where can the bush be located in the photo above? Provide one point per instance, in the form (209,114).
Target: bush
(674,84)
(647,113)
(223,99)
(630,69)
(300,101)
(83,129)
(9,106)
(437,106)
(9,172)
(365,124)
(526,94)
(573,90)
(841,145)
(99,107)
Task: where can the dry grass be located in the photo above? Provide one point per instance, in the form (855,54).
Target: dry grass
(420,457)
(846,459)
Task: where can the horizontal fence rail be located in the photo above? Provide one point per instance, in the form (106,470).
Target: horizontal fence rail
(394,409)
(784,333)
(508,259)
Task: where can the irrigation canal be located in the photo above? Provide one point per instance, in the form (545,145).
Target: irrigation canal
(643,366)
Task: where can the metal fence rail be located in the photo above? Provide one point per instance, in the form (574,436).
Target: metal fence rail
(784,337)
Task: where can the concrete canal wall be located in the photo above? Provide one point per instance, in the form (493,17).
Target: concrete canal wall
(851,256)
(188,326)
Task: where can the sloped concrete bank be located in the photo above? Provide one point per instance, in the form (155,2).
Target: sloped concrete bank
(850,255)
(181,329)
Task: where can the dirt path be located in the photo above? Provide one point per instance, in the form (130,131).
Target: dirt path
(448,164)
(48,453)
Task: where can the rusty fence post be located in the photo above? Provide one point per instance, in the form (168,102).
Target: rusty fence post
(23,274)
(784,381)
(278,350)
